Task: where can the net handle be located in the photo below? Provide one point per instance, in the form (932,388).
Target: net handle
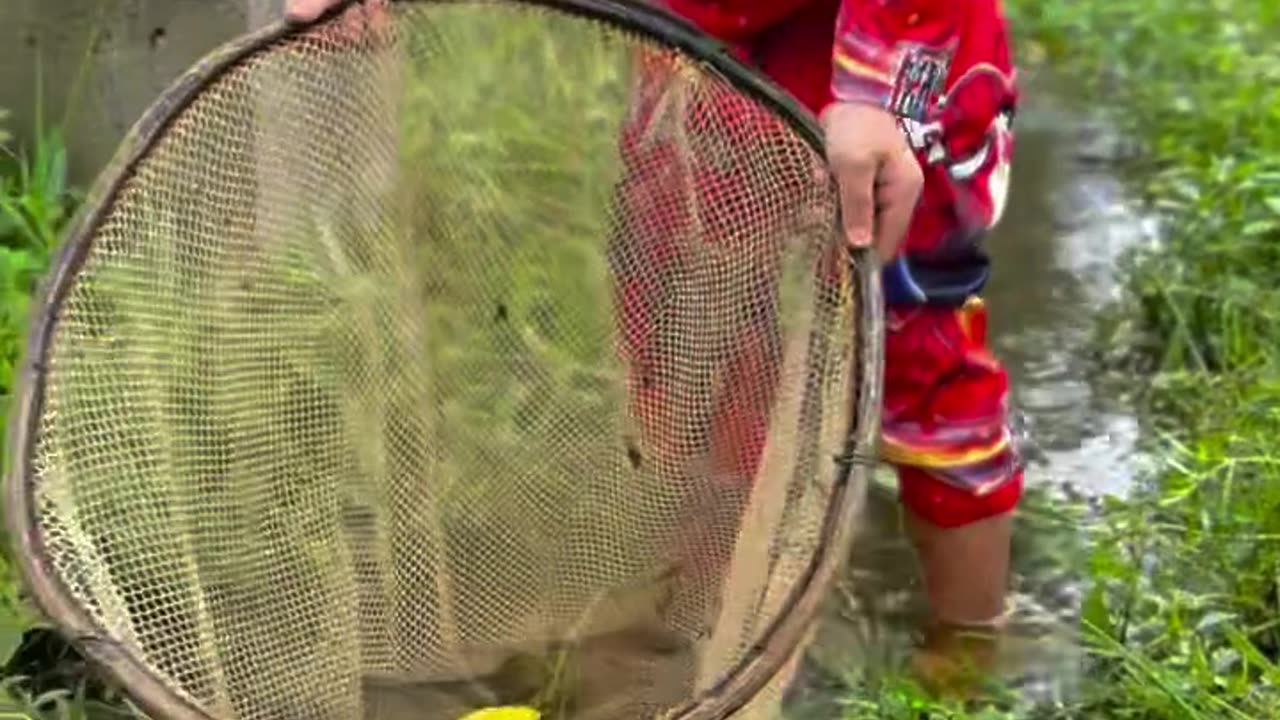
(54,598)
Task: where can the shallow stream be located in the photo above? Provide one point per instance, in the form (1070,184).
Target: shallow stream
(1067,223)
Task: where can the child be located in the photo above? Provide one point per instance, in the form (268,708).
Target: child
(944,68)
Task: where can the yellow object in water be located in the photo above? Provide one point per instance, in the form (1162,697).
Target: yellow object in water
(504,713)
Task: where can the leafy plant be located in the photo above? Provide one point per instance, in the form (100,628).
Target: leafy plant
(35,202)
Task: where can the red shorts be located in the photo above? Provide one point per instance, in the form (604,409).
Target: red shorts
(945,423)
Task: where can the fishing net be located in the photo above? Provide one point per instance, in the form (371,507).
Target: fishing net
(444,355)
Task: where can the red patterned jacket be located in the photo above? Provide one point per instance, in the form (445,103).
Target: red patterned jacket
(945,66)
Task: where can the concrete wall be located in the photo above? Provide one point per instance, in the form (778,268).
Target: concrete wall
(130,51)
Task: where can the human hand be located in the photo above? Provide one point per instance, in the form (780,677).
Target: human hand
(307,10)
(302,11)
(361,20)
(878,175)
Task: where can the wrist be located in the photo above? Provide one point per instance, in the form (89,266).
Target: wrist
(860,107)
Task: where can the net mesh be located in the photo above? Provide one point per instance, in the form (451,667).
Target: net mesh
(465,354)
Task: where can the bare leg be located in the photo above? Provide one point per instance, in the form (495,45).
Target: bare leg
(946,399)
(966,569)
(966,572)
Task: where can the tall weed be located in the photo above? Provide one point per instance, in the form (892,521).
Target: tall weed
(36,200)
(1182,617)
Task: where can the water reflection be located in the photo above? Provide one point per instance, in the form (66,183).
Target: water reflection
(1056,255)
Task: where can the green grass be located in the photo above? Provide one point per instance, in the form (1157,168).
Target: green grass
(1194,635)
(35,201)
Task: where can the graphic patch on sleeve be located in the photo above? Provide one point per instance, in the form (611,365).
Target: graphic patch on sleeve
(921,77)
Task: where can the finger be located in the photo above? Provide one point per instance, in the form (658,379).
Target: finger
(379,12)
(360,22)
(856,181)
(351,26)
(307,10)
(897,193)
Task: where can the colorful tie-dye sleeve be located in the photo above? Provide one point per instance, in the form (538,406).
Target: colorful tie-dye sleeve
(893,53)
(945,68)
(863,61)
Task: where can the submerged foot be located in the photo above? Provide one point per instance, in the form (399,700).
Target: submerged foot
(957,662)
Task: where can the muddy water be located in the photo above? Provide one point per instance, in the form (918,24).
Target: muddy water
(1055,254)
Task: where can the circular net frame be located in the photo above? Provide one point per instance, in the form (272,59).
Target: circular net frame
(451,355)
